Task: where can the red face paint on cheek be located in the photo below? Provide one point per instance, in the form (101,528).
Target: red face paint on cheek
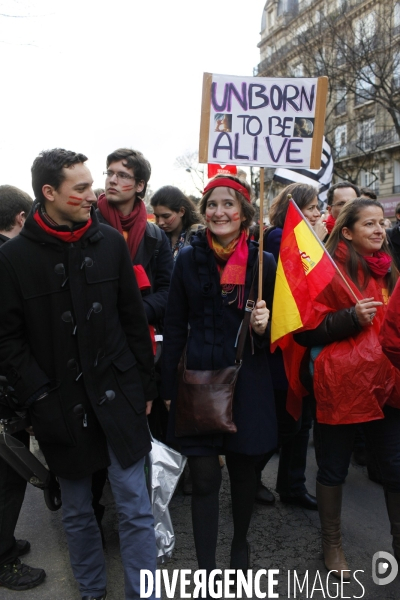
(235,217)
(76,198)
(172,219)
(208,219)
(127,188)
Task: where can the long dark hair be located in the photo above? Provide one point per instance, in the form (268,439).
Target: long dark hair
(302,193)
(172,197)
(348,217)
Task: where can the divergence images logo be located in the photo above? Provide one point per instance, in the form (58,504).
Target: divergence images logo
(384,568)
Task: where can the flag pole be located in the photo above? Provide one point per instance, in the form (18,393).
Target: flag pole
(324,249)
(261,236)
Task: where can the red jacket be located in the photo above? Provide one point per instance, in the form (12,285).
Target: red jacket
(353,379)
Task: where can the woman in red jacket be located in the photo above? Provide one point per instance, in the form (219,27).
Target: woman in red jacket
(353,380)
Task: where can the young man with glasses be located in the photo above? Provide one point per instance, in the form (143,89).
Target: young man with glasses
(75,346)
(122,207)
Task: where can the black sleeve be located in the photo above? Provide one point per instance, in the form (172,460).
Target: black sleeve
(17,362)
(335,327)
(134,323)
(155,303)
(175,326)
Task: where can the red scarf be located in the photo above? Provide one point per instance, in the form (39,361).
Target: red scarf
(144,284)
(330,223)
(231,262)
(134,223)
(65,236)
(379,263)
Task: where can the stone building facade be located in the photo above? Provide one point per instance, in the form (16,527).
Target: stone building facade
(356,43)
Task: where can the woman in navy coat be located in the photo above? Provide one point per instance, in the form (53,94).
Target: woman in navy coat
(209,289)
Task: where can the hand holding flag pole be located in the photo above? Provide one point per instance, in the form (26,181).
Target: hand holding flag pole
(304,270)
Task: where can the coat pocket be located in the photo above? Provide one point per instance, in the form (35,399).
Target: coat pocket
(48,421)
(129,380)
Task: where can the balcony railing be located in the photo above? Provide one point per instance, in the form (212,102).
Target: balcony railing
(368,144)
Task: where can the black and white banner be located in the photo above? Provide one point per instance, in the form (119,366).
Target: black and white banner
(319,178)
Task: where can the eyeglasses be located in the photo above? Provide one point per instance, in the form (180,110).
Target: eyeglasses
(119,175)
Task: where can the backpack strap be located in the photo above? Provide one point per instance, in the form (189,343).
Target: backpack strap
(155,232)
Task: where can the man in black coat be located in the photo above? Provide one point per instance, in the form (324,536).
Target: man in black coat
(14,207)
(74,343)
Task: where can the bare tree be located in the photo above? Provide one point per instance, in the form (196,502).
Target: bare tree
(361,57)
(190,162)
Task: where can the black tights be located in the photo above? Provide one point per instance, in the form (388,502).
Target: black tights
(206,477)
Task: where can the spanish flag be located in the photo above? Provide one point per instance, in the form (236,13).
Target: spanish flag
(304,270)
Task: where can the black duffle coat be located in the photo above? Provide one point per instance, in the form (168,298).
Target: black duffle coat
(195,300)
(72,322)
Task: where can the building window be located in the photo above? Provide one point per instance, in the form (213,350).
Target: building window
(298,70)
(396,177)
(341,141)
(364,28)
(396,18)
(366,134)
(340,58)
(365,85)
(271,18)
(340,107)
(396,70)
(370,179)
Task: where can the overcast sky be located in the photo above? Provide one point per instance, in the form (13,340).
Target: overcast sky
(92,76)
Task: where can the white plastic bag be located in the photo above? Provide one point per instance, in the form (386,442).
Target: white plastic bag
(164,466)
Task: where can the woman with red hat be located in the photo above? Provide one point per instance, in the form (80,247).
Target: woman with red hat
(209,289)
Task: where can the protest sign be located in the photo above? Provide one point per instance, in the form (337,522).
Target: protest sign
(262,121)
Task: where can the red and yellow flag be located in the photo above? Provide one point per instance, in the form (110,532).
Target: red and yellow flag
(304,270)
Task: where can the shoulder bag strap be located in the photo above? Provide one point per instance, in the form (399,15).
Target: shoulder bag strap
(250,304)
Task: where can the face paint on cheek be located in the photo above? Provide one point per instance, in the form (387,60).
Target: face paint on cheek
(208,219)
(235,217)
(127,188)
(171,219)
(75,198)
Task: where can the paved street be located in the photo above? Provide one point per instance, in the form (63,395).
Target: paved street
(282,537)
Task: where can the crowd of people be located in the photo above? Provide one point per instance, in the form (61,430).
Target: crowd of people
(88,285)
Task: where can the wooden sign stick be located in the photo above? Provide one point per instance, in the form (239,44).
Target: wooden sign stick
(261,237)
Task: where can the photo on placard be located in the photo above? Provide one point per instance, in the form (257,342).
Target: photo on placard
(303,128)
(223,122)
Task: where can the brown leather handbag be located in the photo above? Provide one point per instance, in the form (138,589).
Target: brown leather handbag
(205,398)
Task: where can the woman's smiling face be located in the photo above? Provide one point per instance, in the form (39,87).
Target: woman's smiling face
(368,232)
(224,215)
